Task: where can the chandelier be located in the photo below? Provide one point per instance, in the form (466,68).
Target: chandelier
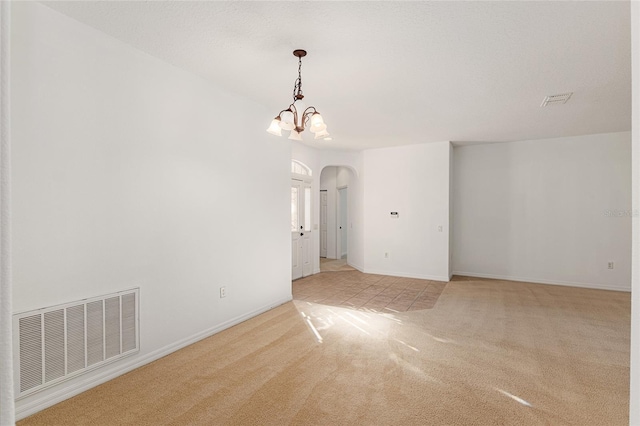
(297,116)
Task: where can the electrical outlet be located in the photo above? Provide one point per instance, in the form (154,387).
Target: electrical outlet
(223,292)
(610,265)
(387,255)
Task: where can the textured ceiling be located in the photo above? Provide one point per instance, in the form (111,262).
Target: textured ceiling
(394,73)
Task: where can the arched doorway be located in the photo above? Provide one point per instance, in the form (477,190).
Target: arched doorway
(335,222)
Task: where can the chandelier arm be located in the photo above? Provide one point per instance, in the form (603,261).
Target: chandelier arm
(307,114)
(310,110)
(280,113)
(288,109)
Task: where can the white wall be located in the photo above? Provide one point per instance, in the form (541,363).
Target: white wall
(545,211)
(412,180)
(130,172)
(342,177)
(328,183)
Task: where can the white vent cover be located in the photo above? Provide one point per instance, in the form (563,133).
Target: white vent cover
(559,99)
(59,342)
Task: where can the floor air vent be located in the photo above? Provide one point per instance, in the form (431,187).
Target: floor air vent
(59,342)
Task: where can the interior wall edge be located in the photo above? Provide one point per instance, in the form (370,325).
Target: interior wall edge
(356,266)
(634,372)
(7,405)
(443,278)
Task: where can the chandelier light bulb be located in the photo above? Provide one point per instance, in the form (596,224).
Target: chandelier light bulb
(295,136)
(317,123)
(316,119)
(316,129)
(274,128)
(287,121)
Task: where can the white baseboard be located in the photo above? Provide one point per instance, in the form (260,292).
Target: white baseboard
(358,267)
(70,390)
(544,281)
(444,278)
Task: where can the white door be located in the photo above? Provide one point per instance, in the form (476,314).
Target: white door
(301,264)
(323,223)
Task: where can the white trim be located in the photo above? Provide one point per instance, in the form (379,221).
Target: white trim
(75,389)
(301,178)
(634,371)
(443,278)
(309,173)
(358,267)
(544,281)
(340,253)
(7,403)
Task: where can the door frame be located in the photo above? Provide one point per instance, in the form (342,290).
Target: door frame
(296,254)
(339,223)
(306,181)
(323,221)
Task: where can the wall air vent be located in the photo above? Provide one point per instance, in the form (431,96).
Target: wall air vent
(559,99)
(59,342)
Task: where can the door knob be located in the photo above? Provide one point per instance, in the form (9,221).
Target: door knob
(302,234)
(300,226)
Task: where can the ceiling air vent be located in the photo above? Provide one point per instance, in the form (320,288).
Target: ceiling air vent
(559,99)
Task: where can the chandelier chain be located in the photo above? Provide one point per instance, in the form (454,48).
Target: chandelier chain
(297,87)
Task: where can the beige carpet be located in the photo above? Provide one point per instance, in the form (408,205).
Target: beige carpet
(488,353)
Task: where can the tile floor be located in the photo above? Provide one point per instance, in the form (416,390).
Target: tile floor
(378,293)
(333,265)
